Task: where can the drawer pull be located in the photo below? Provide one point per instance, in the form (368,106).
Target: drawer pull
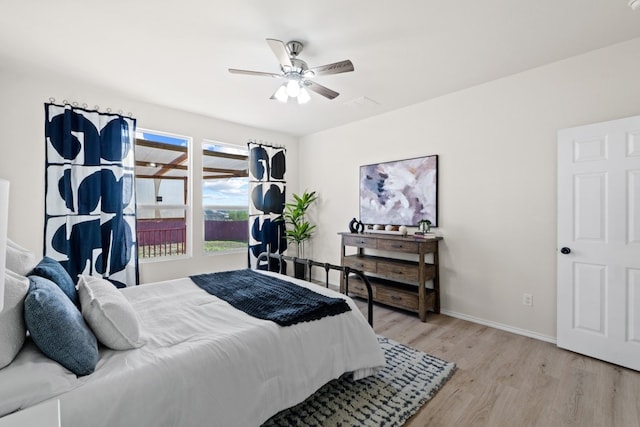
(398,272)
(395,297)
(397,246)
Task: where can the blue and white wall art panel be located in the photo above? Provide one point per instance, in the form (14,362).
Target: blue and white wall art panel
(267,192)
(90,223)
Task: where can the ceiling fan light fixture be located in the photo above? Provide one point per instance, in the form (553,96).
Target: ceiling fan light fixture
(293,88)
(297,75)
(281,94)
(303,97)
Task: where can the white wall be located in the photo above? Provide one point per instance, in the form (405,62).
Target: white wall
(497,177)
(22,157)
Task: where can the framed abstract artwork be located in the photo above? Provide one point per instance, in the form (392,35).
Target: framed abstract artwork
(400,192)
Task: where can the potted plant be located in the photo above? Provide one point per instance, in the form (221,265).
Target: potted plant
(424,225)
(297,228)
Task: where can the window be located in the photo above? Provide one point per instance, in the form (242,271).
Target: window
(225,197)
(162,186)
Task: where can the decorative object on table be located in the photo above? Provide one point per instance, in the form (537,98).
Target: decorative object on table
(424,236)
(409,379)
(400,192)
(356,226)
(403,229)
(387,229)
(424,225)
(90,203)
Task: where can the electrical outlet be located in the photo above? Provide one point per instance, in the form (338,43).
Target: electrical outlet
(527,299)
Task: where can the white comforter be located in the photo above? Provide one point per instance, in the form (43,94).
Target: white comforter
(204,363)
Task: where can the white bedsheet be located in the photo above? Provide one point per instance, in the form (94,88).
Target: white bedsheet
(204,363)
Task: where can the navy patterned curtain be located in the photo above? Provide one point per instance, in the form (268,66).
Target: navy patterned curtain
(267,166)
(90,214)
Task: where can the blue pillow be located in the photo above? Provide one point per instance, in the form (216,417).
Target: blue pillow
(57,328)
(51,269)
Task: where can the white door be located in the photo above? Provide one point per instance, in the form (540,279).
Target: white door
(599,241)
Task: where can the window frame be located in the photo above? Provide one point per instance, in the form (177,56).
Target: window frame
(188,197)
(204,144)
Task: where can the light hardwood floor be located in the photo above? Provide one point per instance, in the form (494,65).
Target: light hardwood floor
(504,379)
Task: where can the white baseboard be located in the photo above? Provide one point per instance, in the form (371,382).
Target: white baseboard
(500,326)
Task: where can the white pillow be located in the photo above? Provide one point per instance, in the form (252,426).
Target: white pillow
(108,313)
(12,327)
(19,259)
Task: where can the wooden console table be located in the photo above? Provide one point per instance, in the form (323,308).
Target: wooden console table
(397,279)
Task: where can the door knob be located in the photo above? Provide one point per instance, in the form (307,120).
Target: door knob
(565,250)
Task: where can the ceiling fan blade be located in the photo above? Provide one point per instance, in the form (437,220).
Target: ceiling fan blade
(280,50)
(321,90)
(253,73)
(335,68)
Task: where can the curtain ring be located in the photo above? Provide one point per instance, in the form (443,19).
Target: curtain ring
(108,110)
(120,112)
(96,107)
(74,103)
(65,102)
(130,114)
(84,105)
(52,100)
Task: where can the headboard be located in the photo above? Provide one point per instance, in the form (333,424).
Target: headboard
(4,214)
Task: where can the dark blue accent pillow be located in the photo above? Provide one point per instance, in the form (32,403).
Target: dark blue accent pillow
(57,327)
(51,269)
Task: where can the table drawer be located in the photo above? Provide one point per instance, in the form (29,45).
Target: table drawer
(404,272)
(361,263)
(430,246)
(398,246)
(397,298)
(359,241)
(357,287)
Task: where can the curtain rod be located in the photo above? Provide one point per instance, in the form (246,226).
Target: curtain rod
(267,144)
(85,106)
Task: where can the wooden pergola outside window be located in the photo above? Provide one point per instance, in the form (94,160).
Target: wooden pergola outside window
(162,217)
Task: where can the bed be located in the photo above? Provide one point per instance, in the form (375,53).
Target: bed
(203,362)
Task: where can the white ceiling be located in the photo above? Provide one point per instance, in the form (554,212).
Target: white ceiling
(176,53)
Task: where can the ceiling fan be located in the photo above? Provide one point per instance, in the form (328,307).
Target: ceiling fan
(297,74)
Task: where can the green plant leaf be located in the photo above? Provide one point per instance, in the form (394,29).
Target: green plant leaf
(297,229)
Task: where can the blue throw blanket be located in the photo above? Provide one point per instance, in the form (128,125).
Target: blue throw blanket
(269,298)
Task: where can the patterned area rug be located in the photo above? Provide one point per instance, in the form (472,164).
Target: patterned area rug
(408,380)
